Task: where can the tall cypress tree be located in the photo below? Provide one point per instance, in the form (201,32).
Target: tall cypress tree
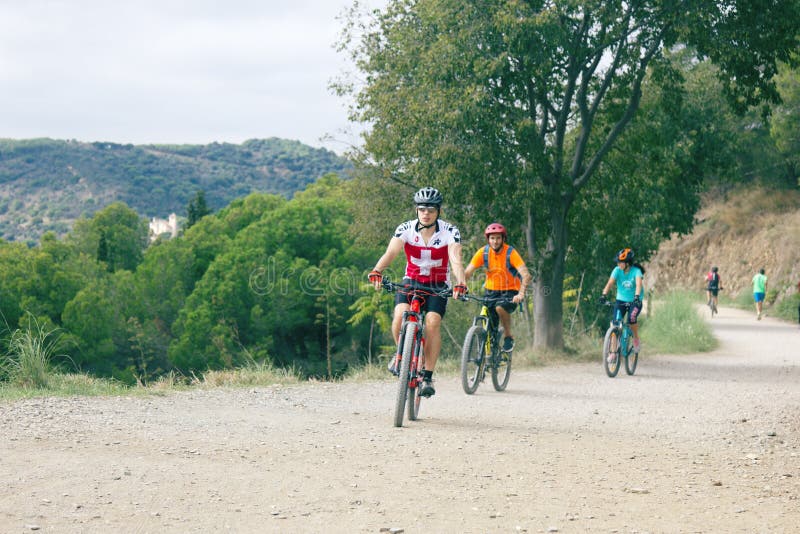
(197,209)
(102,248)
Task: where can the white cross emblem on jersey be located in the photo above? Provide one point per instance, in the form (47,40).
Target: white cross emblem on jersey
(425,262)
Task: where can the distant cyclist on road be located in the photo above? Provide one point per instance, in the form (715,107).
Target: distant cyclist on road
(627,276)
(759,291)
(433,251)
(714,285)
(506,276)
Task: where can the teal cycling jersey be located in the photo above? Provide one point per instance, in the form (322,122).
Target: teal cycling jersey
(626,283)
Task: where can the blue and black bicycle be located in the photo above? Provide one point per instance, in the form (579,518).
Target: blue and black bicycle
(618,344)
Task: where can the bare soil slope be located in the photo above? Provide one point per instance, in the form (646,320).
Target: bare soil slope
(748,231)
(697,443)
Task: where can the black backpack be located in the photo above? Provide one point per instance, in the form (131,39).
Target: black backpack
(713,283)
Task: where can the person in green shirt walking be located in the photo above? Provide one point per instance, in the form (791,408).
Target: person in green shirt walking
(759,290)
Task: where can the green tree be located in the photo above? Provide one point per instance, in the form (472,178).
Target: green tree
(373,307)
(514,106)
(197,209)
(102,248)
(98,319)
(649,186)
(162,283)
(786,122)
(329,303)
(278,290)
(41,280)
(164,279)
(15,281)
(115,234)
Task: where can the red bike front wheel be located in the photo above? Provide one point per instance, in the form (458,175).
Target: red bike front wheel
(409,341)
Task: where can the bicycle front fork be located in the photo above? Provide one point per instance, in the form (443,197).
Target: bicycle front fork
(417,356)
(625,339)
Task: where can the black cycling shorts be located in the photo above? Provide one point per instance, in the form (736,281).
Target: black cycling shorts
(432,303)
(506,294)
(629,308)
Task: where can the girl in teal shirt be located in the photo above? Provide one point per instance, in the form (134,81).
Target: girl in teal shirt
(627,276)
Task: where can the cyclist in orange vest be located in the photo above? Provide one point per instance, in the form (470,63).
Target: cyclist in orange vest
(506,276)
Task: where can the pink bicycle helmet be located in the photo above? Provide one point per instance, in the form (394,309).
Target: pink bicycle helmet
(496,228)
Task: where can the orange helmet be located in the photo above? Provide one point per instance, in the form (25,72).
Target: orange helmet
(626,255)
(496,228)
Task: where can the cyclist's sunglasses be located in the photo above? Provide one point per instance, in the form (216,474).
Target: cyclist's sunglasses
(428,209)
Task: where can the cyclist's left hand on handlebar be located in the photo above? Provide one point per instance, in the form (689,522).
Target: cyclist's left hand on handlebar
(637,302)
(459,290)
(519,297)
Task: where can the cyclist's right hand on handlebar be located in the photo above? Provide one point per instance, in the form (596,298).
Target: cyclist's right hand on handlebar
(375,278)
(459,291)
(602,299)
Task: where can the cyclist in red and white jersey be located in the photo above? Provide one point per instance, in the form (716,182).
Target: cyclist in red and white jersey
(433,252)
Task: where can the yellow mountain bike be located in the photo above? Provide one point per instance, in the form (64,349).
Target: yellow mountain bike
(482,349)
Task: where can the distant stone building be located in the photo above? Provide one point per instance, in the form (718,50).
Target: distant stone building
(159,227)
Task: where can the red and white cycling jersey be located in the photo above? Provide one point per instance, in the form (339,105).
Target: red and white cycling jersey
(428,263)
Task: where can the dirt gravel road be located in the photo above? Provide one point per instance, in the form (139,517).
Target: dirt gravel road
(697,443)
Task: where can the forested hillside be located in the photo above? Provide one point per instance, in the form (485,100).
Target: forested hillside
(263,280)
(47,184)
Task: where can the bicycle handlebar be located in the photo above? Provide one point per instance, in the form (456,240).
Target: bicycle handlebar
(393,287)
(611,302)
(486,301)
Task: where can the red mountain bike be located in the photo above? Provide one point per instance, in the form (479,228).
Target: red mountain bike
(410,355)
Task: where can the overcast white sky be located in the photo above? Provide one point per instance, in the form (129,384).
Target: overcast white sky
(172,71)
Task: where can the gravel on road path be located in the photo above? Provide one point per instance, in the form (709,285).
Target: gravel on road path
(691,443)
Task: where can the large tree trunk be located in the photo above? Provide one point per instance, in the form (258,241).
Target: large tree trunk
(548,286)
(549,308)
